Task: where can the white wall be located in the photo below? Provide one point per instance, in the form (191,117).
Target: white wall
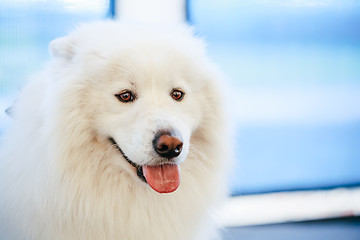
(151,11)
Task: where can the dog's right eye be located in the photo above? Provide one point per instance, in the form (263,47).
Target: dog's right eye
(125,96)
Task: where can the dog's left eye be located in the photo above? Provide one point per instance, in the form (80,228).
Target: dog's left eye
(177,94)
(125,96)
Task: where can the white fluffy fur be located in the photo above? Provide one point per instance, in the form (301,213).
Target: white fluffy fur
(60,176)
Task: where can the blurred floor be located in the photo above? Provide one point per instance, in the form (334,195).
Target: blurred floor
(334,229)
(293,206)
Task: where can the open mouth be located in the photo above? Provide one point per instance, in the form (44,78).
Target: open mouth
(163,178)
(139,168)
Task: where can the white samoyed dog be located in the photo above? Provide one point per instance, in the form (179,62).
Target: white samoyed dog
(121,136)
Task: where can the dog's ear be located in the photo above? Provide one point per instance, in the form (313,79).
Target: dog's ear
(62,47)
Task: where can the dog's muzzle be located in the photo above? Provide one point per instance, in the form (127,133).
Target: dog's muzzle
(163,176)
(139,170)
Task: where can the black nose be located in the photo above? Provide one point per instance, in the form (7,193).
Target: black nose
(166,145)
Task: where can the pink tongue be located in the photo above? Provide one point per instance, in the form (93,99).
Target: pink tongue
(163,178)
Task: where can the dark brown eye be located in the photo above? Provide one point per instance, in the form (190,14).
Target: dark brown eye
(177,94)
(125,96)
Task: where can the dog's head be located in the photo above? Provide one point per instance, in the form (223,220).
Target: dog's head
(144,92)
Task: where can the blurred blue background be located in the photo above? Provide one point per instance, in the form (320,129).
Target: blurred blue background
(293,66)
(27,27)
